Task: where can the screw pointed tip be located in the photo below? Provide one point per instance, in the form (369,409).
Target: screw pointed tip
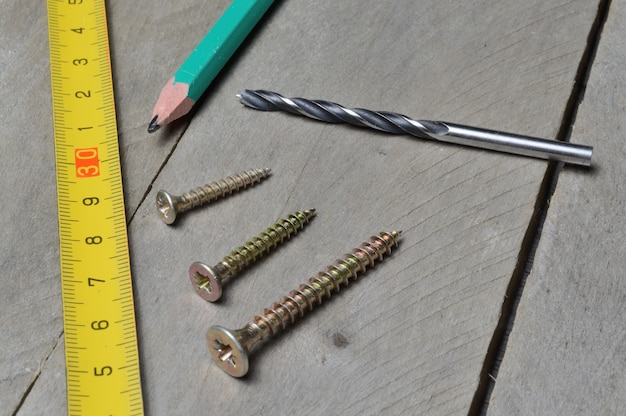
(309,213)
(154,125)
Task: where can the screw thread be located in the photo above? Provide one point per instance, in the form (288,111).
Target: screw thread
(263,243)
(214,190)
(170,206)
(284,312)
(230,348)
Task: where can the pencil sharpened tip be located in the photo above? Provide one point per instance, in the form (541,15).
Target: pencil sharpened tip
(153,126)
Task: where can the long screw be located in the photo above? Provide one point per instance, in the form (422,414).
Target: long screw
(170,206)
(207,281)
(230,348)
(425,129)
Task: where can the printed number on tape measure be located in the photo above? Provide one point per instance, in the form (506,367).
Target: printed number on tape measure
(102,364)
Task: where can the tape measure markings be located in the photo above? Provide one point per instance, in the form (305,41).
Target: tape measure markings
(102,367)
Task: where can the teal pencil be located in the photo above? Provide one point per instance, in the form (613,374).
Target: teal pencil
(206,61)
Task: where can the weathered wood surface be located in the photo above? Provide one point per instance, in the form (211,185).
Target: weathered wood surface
(567,352)
(410,336)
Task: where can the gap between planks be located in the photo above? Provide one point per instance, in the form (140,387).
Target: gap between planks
(499,340)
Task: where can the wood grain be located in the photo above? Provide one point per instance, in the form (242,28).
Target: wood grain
(31,320)
(411,335)
(567,350)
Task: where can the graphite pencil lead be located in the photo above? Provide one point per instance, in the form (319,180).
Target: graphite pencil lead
(208,58)
(153,126)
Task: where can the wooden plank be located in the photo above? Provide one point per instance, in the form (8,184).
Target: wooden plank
(31,319)
(146,50)
(411,335)
(566,353)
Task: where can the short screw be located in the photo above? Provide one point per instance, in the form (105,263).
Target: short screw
(169,206)
(207,281)
(230,348)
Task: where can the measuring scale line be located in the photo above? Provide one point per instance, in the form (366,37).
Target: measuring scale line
(102,360)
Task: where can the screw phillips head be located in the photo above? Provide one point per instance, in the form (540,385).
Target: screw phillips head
(227,351)
(167,206)
(230,348)
(206,281)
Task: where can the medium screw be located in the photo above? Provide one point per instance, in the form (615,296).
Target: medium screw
(230,348)
(207,281)
(169,206)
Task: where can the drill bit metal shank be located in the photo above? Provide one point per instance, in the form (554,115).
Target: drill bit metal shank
(436,130)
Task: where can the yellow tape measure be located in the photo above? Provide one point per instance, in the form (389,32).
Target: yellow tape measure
(101,354)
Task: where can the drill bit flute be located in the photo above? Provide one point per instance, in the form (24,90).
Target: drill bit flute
(435,130)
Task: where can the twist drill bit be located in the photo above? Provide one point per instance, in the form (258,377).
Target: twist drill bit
(396,123)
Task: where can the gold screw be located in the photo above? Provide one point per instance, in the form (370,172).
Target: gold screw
(230,348)
(169,206)
(207,281)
